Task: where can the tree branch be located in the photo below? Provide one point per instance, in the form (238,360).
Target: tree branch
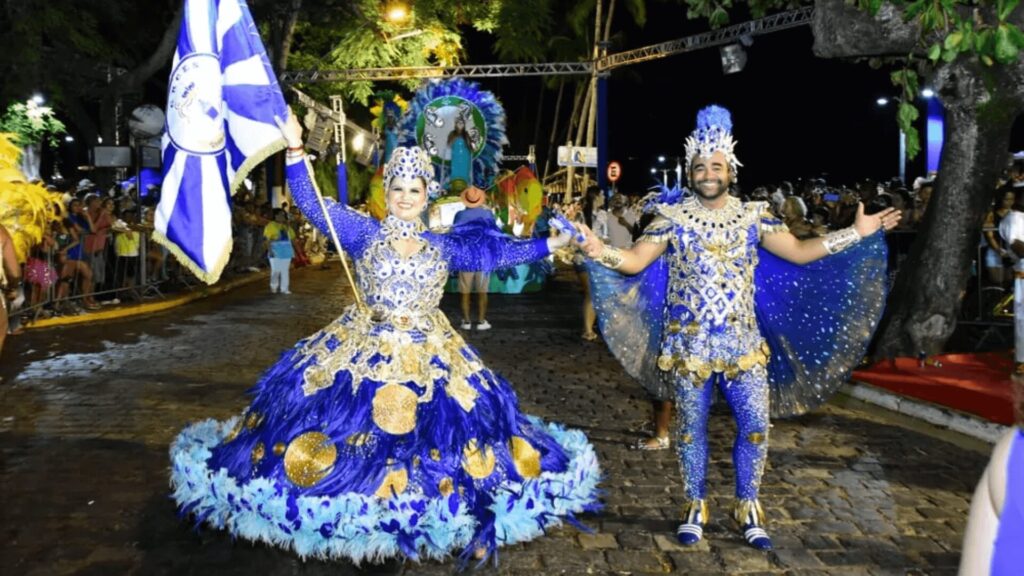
(287,32)
(843,31)
(133,79)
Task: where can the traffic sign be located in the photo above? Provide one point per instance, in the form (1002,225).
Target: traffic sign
(614,171)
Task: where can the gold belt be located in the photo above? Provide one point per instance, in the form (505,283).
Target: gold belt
(703,369)
(403,319)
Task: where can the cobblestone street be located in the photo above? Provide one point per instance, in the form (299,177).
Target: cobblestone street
(87,414)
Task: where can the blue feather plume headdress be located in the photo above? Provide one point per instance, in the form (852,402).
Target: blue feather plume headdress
(713,134)
(486,161)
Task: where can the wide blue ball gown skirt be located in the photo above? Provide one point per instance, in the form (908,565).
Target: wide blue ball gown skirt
(373,439)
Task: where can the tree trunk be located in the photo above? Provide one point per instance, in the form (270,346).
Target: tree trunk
(981,105)
(608,21)
(537,123)
(554,128)
(591,110)
(133,80)
(580,125)
(73,107)
(926,299)
(284,35)
(577,101)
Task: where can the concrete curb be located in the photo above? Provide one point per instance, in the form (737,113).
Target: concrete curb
(941,416)
(122,312)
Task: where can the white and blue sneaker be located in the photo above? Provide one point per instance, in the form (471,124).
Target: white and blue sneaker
(691,531)
(750,516)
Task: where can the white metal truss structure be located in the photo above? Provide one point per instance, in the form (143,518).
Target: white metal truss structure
(412,72)
(728,35)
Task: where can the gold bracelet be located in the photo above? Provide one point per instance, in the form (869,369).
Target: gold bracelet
(610,257)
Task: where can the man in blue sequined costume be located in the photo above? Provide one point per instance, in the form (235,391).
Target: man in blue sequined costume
(710,282)
(384,434)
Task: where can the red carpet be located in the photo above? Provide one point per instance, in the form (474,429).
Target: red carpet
(978,384)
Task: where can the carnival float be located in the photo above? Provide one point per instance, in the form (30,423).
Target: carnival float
(462,128)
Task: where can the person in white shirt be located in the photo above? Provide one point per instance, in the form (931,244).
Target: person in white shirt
(620,223)
(1011,228)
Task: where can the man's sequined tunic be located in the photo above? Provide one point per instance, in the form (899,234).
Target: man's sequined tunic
(710,324)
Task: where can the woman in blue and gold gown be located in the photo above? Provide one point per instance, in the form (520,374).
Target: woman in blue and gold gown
(384,434)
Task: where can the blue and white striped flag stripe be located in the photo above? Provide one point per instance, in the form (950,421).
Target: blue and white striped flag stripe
(221,104)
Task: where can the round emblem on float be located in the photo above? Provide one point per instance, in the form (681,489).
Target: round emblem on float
(444,115)
(195,120)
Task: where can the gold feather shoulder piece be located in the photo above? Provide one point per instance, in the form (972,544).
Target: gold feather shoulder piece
(26,210)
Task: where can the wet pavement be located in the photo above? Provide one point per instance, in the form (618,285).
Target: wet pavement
(87,414)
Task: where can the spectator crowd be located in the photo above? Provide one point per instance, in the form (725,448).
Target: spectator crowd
(97,252)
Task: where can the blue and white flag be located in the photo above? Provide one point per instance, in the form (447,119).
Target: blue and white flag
(221,103)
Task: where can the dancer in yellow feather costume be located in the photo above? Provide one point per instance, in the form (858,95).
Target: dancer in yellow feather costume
(26,211)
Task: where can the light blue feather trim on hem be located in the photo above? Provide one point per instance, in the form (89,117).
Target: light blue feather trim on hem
(365,528)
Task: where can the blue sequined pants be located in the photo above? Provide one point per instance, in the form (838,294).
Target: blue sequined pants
(747,397)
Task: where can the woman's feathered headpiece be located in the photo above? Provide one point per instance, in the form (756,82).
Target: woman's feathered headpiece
(713,134)
(409,163)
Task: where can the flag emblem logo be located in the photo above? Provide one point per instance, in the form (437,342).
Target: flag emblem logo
(194,120)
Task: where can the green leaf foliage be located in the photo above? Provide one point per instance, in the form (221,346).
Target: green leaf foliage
(906,115)
(524,27)
(61,48)
(1005,8)
(31,123)
(638,11)
(1005,49)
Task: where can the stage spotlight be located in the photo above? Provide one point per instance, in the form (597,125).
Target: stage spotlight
(734,58)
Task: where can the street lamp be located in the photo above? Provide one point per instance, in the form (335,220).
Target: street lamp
(396,12)
(927,93)
(69,138)
(38,98)
(661,159)
(882,102)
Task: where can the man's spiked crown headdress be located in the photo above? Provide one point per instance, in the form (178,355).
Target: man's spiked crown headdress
(713,134)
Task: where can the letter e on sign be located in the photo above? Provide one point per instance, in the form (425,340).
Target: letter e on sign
(614,171)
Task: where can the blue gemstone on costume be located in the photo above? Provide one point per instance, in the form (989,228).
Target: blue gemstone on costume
(332,343)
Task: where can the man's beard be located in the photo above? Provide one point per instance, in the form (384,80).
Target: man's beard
(699,190)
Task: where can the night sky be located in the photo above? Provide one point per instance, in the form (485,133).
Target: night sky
(795,115)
